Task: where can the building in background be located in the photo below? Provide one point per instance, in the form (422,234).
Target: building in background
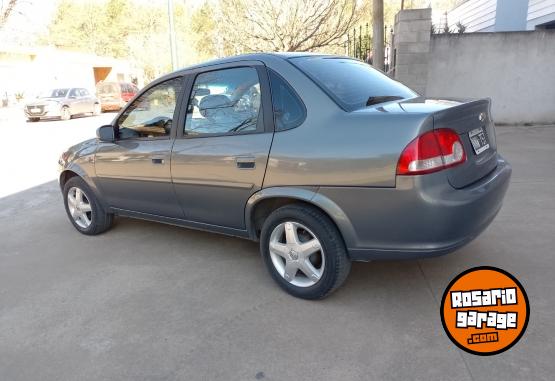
(513,68)
(25,72)
(501,15)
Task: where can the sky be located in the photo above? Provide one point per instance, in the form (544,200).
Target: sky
(29,19)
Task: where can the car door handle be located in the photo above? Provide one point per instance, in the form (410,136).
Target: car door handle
(245,162)
(157,160)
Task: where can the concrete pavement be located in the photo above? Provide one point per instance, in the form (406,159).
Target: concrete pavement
(147,301)
(29,152)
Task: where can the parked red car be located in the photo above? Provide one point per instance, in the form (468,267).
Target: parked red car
(115,95)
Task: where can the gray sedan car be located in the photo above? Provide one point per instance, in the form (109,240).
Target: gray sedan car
(321,159)
(62,103)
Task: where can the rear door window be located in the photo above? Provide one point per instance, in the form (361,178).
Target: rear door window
(350,83)
(289,111)
(226,101)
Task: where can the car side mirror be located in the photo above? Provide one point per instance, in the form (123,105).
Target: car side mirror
(106,133)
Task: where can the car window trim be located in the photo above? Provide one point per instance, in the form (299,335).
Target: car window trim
(295,95)
(176,111)
(265,104)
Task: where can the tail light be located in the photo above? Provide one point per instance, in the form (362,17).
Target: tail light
(431,152)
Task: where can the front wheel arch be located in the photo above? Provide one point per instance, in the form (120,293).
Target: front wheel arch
(65,176)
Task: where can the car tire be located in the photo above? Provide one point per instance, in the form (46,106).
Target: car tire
(328,266)
(97,109)
(83,208)
(65,113)
(33,120)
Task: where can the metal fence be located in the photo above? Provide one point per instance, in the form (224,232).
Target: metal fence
(359,45)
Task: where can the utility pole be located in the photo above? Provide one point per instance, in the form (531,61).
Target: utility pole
(173,46)
(378,32)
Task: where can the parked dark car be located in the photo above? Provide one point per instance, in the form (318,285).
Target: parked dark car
(322,159)
(62,103)
(115,95)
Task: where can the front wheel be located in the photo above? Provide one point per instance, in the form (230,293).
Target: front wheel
(65,114)
(304,252)
(83,208)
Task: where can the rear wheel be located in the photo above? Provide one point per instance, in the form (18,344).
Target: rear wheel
(83,209)
(65,114)
(304,252)
(32,120)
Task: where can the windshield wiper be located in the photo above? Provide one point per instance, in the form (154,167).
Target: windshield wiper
(382,98)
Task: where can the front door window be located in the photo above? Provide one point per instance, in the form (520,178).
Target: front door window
(151,115)
(224,102)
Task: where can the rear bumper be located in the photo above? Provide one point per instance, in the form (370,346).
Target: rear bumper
(423,216)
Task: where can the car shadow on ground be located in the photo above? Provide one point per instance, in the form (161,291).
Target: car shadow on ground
(401,281)
(144,236)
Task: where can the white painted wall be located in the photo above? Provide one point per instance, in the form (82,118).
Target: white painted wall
(476,15)
(515,69)
(32,71)
(539,12)
(483,15)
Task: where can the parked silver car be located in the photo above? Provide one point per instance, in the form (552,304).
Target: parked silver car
(322,159)
(62,103)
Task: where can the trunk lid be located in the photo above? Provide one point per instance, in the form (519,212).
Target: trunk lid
(472,122)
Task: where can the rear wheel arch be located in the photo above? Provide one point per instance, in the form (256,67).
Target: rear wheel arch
(263,203)
(263,208)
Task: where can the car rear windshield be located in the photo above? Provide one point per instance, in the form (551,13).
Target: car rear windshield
(352,84)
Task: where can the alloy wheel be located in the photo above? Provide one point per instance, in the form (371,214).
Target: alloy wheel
(65,113)
(297,254)
(79,207)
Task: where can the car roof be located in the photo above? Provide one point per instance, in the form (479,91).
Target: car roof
(251,57)
(243,57)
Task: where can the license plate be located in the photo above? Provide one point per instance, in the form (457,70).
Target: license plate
(35,109)
(479,140)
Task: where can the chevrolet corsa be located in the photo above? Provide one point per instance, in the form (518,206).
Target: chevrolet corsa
(321,159)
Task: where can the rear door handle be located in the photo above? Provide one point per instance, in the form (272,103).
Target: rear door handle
(157,160)
(245,162)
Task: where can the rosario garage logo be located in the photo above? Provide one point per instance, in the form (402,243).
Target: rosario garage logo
(485,311)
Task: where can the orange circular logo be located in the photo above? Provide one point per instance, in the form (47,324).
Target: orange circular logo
(485,311)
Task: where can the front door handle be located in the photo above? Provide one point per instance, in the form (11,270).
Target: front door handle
(157,160)
(245,162)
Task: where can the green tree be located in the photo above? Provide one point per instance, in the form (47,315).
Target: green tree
(204,31)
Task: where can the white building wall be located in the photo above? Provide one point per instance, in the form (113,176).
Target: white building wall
(475,15)
(539,12)
(480,15)
(32,71)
